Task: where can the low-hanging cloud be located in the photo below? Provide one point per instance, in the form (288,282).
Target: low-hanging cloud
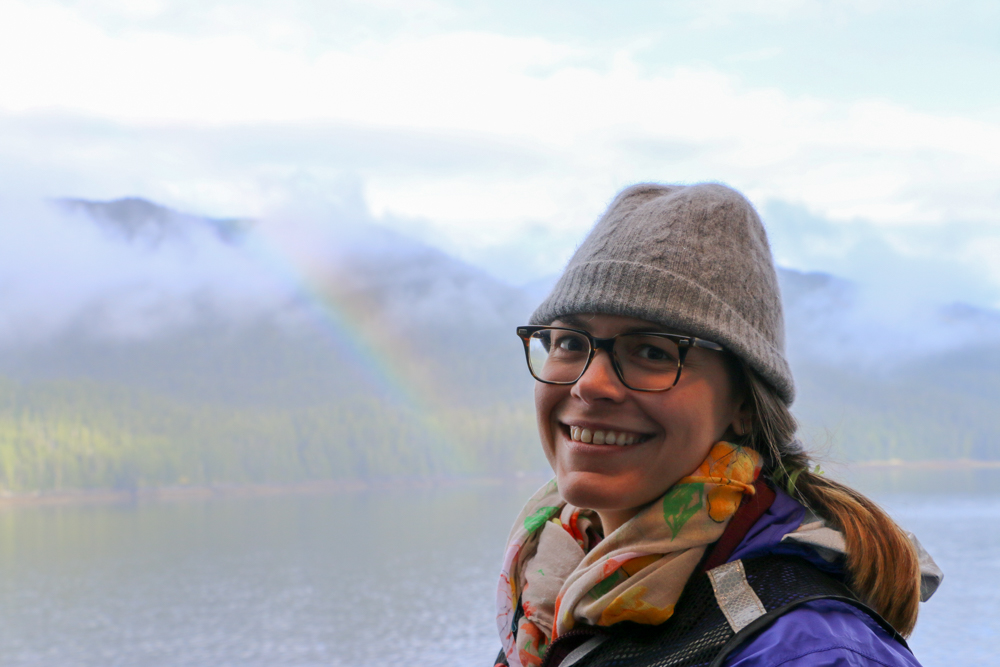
(68,265)
(60,269)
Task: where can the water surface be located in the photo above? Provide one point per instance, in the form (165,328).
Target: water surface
(380,577)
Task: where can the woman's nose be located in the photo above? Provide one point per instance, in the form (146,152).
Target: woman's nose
(599,381)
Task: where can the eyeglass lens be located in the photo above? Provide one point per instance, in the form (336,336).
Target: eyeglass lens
(646,362)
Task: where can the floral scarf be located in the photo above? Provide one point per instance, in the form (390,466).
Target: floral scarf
(558,572)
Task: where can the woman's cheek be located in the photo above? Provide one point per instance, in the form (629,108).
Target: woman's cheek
(545,402)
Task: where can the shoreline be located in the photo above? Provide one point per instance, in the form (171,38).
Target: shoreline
(328,487)
(218,491)
(931,464)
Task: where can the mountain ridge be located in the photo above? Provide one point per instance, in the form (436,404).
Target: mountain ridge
(384,313)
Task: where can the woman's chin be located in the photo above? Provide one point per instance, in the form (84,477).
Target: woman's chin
(600,492)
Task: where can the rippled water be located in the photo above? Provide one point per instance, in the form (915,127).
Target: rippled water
(956,515)
(385,577)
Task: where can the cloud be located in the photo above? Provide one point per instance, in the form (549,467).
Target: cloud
(903,267)
(131,269)
(474,139)
(59,271)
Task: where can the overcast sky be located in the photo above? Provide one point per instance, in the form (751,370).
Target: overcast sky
(868,133)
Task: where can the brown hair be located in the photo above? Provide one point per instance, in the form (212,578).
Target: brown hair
(882,564)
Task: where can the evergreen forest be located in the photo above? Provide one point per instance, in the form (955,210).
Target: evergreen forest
(403,364)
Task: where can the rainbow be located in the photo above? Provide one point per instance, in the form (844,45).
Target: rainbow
(383,360)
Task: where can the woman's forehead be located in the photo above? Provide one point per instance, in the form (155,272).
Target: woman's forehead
(604,325)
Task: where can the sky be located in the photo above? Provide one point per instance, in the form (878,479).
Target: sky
(867,133)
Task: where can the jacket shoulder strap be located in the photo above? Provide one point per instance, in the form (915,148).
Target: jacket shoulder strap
(753,594)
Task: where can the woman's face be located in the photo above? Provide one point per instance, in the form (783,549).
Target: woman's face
(673,430)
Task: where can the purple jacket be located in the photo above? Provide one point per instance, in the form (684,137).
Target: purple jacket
(823,633)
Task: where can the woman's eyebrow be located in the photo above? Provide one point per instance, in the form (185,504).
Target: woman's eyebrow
(573,320)
(650,329)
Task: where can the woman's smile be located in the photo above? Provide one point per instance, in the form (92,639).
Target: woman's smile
(598,434)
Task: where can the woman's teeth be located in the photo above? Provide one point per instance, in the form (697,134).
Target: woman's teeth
(603,437)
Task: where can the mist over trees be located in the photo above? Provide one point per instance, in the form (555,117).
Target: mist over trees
(144,347)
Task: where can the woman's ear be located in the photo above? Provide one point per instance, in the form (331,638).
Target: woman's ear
(743,421)
(743,418)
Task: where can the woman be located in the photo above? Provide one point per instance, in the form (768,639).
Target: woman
(684,525)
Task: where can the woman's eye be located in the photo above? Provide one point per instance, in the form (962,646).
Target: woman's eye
(570,344)
(654,353)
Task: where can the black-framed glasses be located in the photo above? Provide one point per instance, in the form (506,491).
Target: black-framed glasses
(643,360)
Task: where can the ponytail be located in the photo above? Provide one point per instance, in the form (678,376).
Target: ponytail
(882,565)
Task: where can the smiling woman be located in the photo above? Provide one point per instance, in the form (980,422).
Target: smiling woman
(683,525)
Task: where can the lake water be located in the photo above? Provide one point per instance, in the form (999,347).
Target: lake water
(388,577)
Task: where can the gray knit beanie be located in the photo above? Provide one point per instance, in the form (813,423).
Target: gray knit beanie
(692,258)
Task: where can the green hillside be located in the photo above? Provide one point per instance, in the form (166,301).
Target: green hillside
(58,435)
(326,385)
(63,435)
(907,415)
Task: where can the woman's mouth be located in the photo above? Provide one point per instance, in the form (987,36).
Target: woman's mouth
(604,436)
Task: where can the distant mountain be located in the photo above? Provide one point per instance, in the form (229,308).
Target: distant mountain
(332,347)
(301,340)
(140,221)
(871,386)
